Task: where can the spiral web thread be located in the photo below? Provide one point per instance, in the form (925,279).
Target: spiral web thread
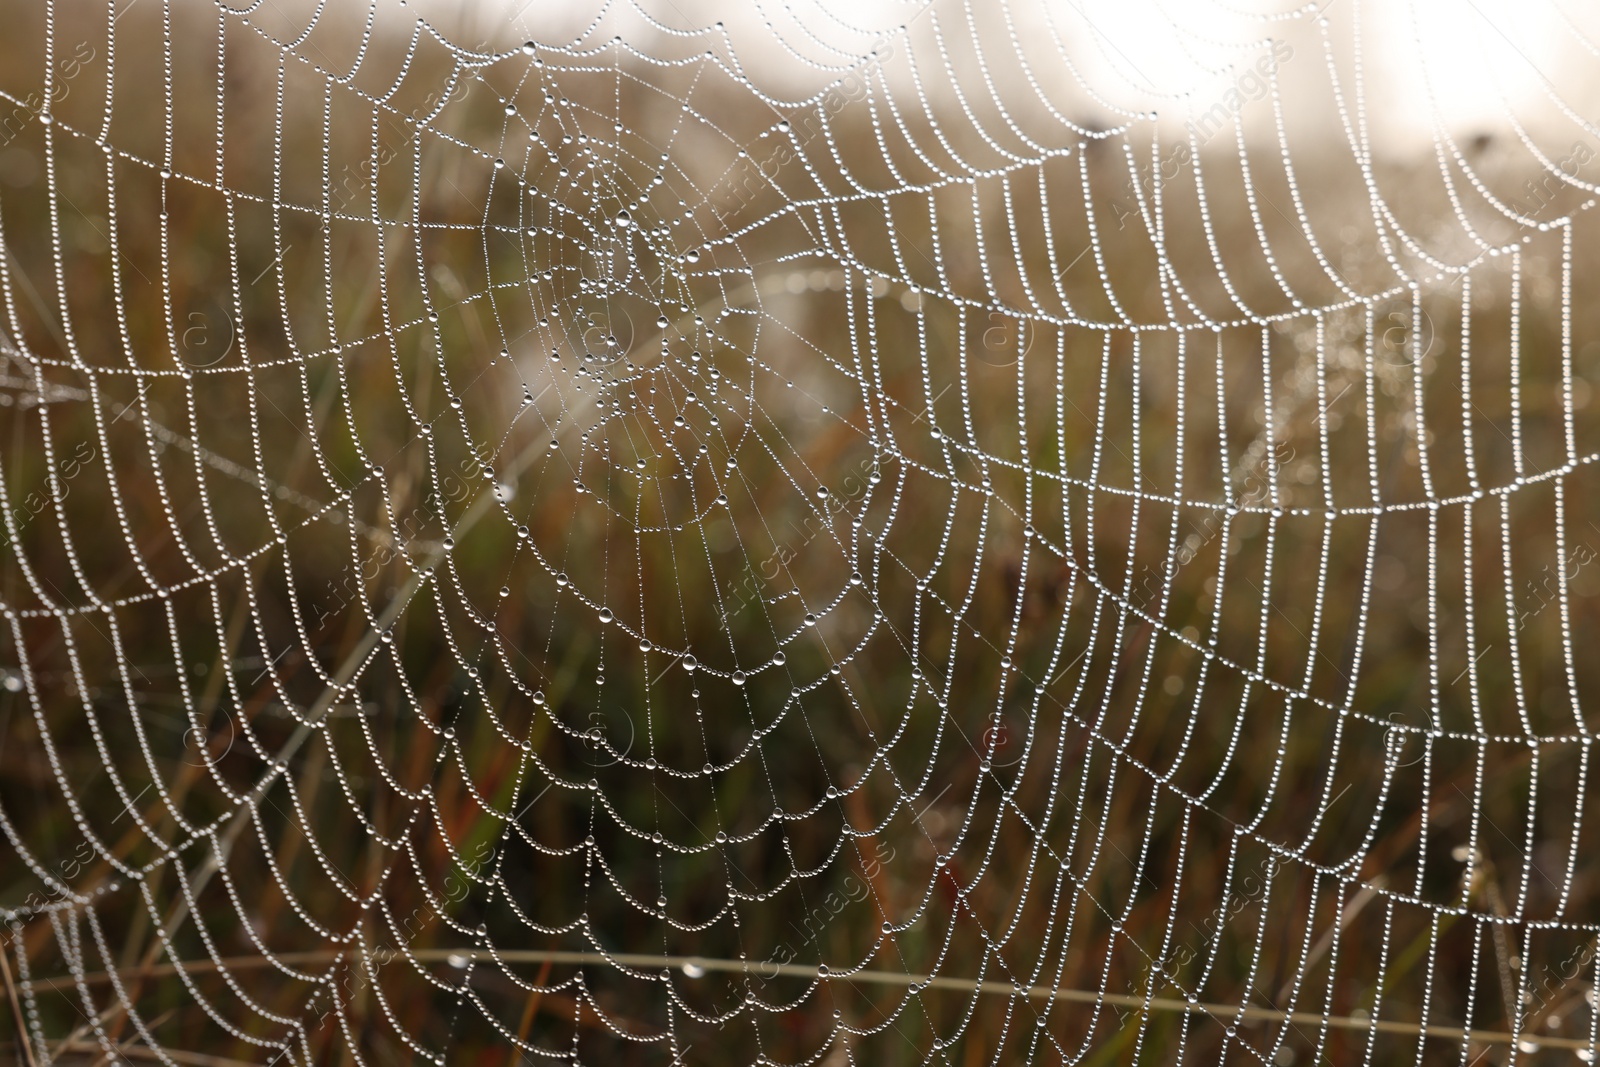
(586,551)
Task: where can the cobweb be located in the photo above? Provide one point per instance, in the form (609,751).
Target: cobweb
(907,534)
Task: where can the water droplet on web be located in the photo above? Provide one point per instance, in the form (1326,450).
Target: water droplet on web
(605,615)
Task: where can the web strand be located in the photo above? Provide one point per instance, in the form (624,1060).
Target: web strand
(830,536)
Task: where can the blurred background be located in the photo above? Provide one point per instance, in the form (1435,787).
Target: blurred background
(879,533)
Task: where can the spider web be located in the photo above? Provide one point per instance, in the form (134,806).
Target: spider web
(796,540)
